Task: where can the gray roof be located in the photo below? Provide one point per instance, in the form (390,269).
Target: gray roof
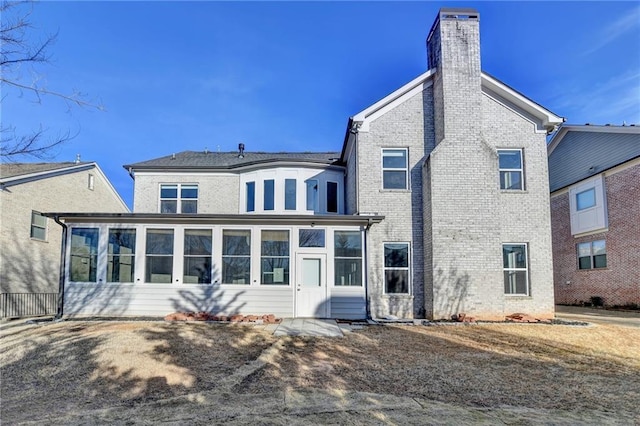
(9,170)
(579,152)
(231,160)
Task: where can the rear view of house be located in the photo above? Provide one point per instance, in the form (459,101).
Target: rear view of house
(437,203)
(595,209)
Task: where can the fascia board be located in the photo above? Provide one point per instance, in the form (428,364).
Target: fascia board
(384,105)
(20,179)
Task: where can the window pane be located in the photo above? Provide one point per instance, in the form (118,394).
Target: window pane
(514,256)
(289,194)
(84,254)
(120,268)
(311,237)
(237,243)
(396,281)
(38,233)
(122,241)
(584,262)
(169,191)
(510,180)
(251,196)
(332,197)
(312,195)
(268,194)
(159,269)
(599,247)
(236,270)
(586,199)
(38,219)
(584,249)
(168,206)
(394,179)
(275,270)
(394,158)
(275,243)
(348,272)
(348,243)
(510,159)
(311,273)
(396,255)
(197,270)
(190,191)
(189,206)
(160,241)
(515,282)
(197,242)
(600,261)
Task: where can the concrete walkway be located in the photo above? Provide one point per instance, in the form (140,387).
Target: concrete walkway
(306,327)
(599,316)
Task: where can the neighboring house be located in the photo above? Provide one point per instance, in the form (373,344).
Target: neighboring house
(594,174)
(30,255)
(438,203)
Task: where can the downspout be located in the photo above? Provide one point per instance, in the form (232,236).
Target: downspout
(366,271)
(63,263)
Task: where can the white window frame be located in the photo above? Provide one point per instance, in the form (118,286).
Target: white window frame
(519,170)
(360,258)
(132,256)
(525,269)
(178,198)
(45,227)
(261,256)
(395,169)
(397,268)
(593,218)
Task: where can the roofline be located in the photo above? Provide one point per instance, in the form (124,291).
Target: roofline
(606,128)
(162,218)
(19,179)
(241,166)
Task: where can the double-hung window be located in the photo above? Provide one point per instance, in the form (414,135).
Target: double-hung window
(348,258)
(274,258)
(159,256)
(38,226)
(84,254)
(179,198)
(511,170)
(197,256)
(592,255)
(516,274)
(395,169)
(121,256)
(236,256)
(396,268)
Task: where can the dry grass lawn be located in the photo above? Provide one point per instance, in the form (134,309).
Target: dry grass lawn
(53,369)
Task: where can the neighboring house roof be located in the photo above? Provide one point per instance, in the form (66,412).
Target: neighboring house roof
(577,152)
(12,174)
(490,86)
(194,160)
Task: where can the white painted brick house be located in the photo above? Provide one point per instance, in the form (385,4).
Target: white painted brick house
(437,204)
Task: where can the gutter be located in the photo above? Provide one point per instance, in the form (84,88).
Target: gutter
(63,258)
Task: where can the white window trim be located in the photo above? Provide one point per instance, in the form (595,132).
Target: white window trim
(521,170)
(404,169)
(291,267)
(526,269)
(408,269)
(591,219)
(362,258)
(178,198)
(133,256)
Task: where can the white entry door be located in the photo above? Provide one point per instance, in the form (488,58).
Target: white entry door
(311,286)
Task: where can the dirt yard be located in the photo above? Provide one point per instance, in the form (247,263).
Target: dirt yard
(84,372)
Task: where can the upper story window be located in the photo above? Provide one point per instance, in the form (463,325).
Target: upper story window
(290,194)
(511,171)
(38,226)
(251,196)
(395,169)
(332,197)
(269,194)
(91,182)
(516,277)
(592,255)
(312,195)
(588,207)
(179,198)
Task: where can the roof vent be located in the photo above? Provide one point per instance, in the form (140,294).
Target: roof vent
(173,156)
(206,150)
(77,159)
(240,150)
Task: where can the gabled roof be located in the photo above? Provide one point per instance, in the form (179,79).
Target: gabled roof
(13,170)
(199,160)
(490,85)
(577,152)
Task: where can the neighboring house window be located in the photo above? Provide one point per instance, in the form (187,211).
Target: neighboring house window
(274,257)
(197,256)
(510,166)
(251,196)
(311,238)
(84,254)
(38,226)
(290,194)
(348,258)
(516,277)
(396,268)
(269,195)
(236,256)
(395,170)
(159,251)
(312,195)
(121,256)
(91,182)
(592,255)
(178,198)
(588,207)
(332,197)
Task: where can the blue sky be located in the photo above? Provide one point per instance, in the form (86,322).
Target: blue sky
(286,76)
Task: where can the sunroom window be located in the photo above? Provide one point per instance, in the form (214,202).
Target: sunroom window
(159,256)
(348,258)
(121,256)
(274,257)
(197,256)
(84,254)
(236,256)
